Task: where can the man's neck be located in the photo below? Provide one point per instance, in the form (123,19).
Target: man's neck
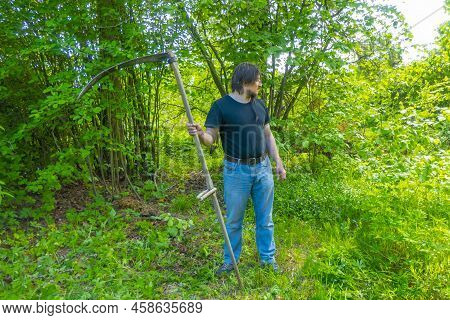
(242,98)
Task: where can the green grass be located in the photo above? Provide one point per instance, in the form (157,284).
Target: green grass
(336,238)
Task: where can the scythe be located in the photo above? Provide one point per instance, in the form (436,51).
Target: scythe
(170,58)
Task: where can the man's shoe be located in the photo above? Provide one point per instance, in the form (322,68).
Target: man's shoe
(224,268)
(272,264)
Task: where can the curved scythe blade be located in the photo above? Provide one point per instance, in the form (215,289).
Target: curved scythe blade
(152,58)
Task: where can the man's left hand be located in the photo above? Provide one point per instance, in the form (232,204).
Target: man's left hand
(281,172)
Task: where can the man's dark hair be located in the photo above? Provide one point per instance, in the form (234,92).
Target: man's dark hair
(244,73)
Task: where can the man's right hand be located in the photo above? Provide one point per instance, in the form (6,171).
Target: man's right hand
(195,129)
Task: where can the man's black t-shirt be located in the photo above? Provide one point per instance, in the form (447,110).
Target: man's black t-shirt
(241,126)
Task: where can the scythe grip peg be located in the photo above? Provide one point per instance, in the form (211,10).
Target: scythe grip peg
(206,193)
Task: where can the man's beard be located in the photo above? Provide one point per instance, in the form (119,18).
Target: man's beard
(252,95)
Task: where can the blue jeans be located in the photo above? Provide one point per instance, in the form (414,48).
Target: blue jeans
(240,182)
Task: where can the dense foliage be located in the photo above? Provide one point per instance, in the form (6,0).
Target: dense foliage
(97,197)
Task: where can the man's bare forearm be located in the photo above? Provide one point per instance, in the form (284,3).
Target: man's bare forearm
(206,138)
(209,136)
(273,152)
(272,148)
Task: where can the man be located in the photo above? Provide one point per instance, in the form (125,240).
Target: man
(243,124)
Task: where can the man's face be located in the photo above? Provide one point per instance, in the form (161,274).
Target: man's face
(251,90)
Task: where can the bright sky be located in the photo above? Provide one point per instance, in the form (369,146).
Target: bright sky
(427,15)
